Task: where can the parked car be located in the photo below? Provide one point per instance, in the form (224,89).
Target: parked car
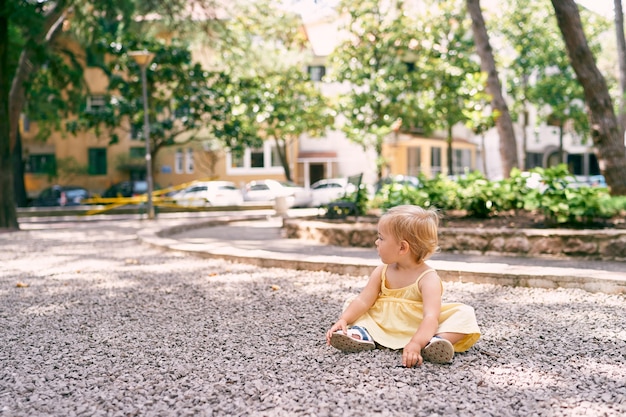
(597,181)
(60,195)
(327,190)
(211,193)
(400,180)
(268,190)
(126,189)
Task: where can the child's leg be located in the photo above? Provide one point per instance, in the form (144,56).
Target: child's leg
(451,337)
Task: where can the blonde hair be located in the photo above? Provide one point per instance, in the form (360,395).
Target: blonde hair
(416,225)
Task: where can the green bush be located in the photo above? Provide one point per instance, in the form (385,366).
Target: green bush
(563,203)
(549,191)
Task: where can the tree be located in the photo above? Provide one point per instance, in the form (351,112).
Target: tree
(8,214)
(504,124)
(605,131)
(557,91)
(621,61)
(39,24)
(526,27)
(186,100)
(271,98)
(455,78)
(385,63)
(479,118)
(537,47)
(35,28)
(279,106)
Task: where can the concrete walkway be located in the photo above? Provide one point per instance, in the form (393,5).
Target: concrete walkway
(255,237)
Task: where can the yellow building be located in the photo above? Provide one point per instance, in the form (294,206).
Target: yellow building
(90,161)
(413,155)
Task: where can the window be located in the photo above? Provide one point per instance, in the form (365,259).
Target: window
(236,159)
(275,157)
(136,132)
(97,161)
(435,160)
(25,123)
(263,160)
(181,111)
(189,167)
(95,58)
(533,160)
(136,153)
(96,104)
(414,160)
(178,163)
(256,158)
(316,72)
(461,160)
(41,164)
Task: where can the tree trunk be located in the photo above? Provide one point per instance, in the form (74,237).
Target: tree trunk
(449,151)
(605,132)
(282,149)
(19,188)
(16,98)
(8,214)
(621,60)
(504,124)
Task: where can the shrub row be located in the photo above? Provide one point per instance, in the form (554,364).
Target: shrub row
(552,191)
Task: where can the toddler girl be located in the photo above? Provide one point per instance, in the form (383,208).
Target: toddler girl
(400,306)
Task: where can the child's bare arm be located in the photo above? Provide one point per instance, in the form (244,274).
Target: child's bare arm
(360,304)
(430,287)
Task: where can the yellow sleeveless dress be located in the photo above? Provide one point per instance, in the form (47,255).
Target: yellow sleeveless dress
(397,313)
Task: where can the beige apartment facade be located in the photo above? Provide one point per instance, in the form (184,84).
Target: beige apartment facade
(92,161)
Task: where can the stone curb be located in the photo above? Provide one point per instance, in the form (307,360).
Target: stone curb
(591,280)
(606,245)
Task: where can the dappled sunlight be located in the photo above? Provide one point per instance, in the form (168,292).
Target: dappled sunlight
(120,284)
(592,366)
(49,309)
(40,266)
(519,377)
(334,287)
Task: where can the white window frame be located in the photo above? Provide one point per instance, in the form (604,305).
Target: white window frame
(316,72)
(178,161)
(189,162)
(461,161)
(436,156)
(96,103)
(248,169)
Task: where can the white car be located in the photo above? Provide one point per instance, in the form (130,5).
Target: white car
(209,193)
(268,190)
(327,190)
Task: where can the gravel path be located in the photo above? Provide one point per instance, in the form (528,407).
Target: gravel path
(95,324)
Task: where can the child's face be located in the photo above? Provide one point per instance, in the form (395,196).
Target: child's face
(387,246)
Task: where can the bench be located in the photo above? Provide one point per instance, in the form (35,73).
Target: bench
(343,208)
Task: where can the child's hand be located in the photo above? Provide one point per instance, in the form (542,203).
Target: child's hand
(412,355)
(339,325)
